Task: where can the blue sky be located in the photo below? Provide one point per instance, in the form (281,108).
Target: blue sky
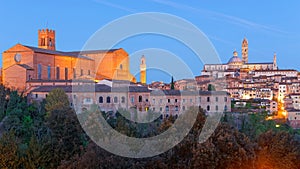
(270,26)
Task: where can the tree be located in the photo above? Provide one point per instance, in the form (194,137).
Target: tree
(57,100)
(172,84)
(211,87)
(278,150)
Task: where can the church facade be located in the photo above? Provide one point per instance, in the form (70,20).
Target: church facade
(23,64)
(237,64)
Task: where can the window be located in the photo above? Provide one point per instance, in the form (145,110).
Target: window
(39,71)
(153,101)
(217,108)
(191,100)
(36,95)
(132,99)
(160,101)
(146,100)
(169,100)
(167,108)
(176,101)
(121,66)
(208,108)
(217,99)
(176,108)
(115,99)
(123,99)
(140,98)
(81,72)
(49,72)
(183,108)
(199,99)
(183,100)
(225,108)
(160,109)
(57,73)
(208,99)
(74,73)
(107,99)
(225,99)
(89,72)
(100,99)
(66,73)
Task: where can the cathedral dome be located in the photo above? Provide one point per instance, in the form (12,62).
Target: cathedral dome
(235,59)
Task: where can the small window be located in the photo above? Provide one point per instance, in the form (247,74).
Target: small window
(169,100)
(208,108)
(167,108)
(183,108)
(123,99)
(81,72)
(208,99)
(176,108)
(217,99)
(107,99)
(74,73)
(132,99)
(217,108)
(140,98)
(115,99)
(36,95)
(100,99)
(176,101)
(121,66)
(89,72)
(191,100)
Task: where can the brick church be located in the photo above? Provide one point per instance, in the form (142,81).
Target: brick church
(22,64)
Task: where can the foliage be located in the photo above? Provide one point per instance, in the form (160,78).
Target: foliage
(211,87)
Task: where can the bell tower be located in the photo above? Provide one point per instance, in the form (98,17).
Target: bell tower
(245,50)
(46,39)
(275,67)
(143,70)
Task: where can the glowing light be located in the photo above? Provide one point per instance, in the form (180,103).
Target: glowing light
(277,125)
(284,113)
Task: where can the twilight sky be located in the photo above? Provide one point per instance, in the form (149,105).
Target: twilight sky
(269,26)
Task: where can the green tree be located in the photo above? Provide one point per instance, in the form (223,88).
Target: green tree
(57,100)
(172,84)
(211,87)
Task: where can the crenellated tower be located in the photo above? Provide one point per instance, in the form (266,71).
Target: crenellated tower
(245,50)
(46,39)
(143,70)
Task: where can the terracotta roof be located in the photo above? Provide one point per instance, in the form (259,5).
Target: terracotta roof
(55,52)
(25,66)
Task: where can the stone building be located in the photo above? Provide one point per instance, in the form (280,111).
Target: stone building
(22,63)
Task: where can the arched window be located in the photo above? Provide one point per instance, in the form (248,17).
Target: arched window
(176,108)
(107,99)
(208,108)
(140,98)
(116,99)
(217,108)
(123,99)
(39,71)
(100,99)
(167,108)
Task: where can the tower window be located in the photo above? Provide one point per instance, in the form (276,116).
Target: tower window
(121,66)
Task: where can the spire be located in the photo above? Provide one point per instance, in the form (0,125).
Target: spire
(143,70)
(275,61)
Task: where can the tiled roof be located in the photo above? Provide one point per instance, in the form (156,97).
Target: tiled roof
(25,66)
(91,51)
(55,52)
